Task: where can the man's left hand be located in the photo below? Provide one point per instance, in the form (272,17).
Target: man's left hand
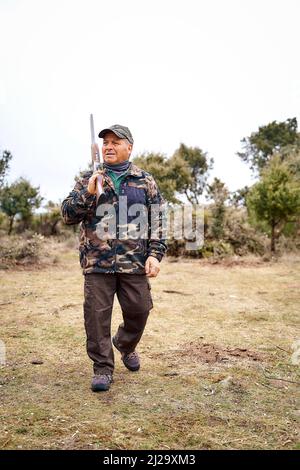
(152,267)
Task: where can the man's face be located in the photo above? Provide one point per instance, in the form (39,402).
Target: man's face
(114,149)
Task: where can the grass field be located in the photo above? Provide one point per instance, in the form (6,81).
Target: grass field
(217,366)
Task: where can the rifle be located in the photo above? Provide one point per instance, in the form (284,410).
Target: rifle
(96,160)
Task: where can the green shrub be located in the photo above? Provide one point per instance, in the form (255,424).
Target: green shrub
(216,249)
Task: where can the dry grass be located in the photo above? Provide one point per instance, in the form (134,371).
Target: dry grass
(215,349)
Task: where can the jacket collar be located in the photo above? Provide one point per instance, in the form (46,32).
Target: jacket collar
(135,171)
(132,171)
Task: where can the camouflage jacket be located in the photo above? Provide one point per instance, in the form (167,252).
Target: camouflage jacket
(111,240)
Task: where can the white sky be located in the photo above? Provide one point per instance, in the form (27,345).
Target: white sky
(206,73)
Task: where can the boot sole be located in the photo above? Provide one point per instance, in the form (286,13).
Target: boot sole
(100,389)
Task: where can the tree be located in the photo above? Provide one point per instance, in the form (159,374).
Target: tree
(4,165)
(179,173)
(275,199)
(218,192)
(159,166)
(19,198)
(291,155)
(239,197)
(51,219)
(274,137)
(47,222)
(196,166)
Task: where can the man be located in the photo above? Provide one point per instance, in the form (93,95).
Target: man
(116,256)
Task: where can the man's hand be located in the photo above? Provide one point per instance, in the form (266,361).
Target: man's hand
(152,267)
(92,184)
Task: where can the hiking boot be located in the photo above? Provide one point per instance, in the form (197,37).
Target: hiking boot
(130,360)
(101,382)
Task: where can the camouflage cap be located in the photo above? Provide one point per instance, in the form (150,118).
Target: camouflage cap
(121,131)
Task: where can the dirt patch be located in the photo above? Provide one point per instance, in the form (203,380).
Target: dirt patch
(211,353)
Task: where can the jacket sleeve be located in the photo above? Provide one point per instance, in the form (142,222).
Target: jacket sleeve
(79,204)
(157,221)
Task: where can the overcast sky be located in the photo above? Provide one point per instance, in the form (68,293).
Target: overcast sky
(206,73)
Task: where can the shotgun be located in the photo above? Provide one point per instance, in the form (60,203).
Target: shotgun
(96,160)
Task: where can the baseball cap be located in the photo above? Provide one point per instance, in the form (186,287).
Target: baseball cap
(121,131)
